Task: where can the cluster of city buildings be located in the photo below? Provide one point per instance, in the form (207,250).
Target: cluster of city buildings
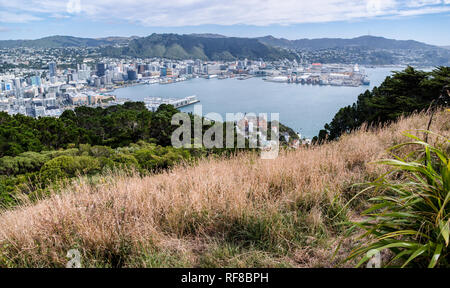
(49,90)
(64,79)
(40,94)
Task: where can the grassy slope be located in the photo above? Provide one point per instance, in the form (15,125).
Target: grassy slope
(240,212)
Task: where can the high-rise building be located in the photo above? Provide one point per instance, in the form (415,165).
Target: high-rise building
(132,75)
(97,82)
(17,83)
(101,67)
(18,88)
(36,81)
(163,71)
(141,68)
(52,69)
(190,69)
(83,74)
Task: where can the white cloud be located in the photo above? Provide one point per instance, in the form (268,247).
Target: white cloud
(222,12)
(73,6)
(420,3)
(11,17)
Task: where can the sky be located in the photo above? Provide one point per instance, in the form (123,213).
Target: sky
(422,20)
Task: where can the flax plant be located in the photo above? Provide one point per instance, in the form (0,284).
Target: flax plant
(411,217)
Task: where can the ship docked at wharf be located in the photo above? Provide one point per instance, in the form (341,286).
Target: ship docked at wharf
(318,74)
(152,103)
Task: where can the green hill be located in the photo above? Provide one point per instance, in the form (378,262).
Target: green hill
(372,42)
(364,50)
(198,47)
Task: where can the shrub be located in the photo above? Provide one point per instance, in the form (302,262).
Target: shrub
(24,163)
(160,157)
(101,151)
(124,161)
(67,166)
(412,217)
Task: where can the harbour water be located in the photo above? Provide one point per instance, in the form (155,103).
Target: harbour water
(305,108)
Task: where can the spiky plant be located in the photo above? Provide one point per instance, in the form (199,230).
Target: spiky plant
(411,217)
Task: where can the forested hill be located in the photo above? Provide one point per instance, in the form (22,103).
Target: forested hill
(371,42)
(203,47)
(369,50)
(402,93)
(172,46)
(362,50)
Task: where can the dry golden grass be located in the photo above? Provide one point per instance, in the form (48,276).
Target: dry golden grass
(239,212)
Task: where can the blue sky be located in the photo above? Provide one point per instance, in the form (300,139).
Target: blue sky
(423,20)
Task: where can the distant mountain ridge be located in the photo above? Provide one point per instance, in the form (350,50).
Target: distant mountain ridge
(370,50)
(59,41)
(373,42)
(318,43)
(208,35)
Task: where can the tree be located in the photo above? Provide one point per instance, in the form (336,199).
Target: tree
(161,124)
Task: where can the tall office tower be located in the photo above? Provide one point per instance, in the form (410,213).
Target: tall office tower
(101,67)
(36,81)
(132,75)
(52,69)
(18,88)
(163,71)
(141,68)
(190,69)
(17,83)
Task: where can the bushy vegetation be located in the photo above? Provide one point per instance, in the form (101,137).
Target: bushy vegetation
(35,153)
(32,173)
(411,218)
(239,211)
(402,93)
(115,126)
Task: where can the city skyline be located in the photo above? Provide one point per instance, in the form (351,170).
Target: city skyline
(402,20)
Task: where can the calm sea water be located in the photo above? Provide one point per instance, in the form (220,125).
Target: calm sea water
(305,108)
